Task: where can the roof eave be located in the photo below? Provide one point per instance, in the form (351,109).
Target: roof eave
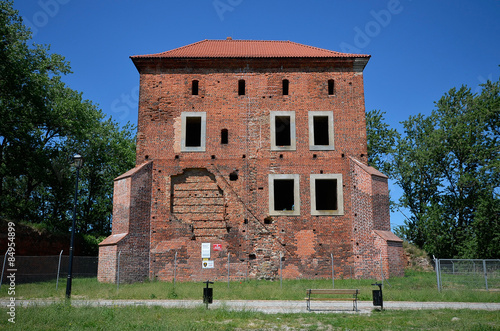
(358,62)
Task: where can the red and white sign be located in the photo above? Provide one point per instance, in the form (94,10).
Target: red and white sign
(217,247)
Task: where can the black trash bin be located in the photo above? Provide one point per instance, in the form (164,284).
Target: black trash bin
(208,293)
(378,299)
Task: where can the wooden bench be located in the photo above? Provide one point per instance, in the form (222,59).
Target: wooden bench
(353,296)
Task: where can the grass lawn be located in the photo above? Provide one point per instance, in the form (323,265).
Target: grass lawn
(415,286)
(64,317)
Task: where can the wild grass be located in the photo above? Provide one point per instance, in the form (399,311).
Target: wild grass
(65,317)
(415,286)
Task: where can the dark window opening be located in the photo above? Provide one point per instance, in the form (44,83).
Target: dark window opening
(233,176)
(326,194)
(194,87)
(193,131)
(284,194)
(285,86)
(321,136)
(282,130)
(331,87)
(241,87)
(224,136)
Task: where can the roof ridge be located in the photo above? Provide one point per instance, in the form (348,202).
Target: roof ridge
(220,48)
(321,49)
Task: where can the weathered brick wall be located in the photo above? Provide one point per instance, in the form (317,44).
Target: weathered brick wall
(131,214)
(380,201)
(365,254)
(106,270)
(221,195)
(165,95)
(396,258)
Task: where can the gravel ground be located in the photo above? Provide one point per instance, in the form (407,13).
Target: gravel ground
(273,306)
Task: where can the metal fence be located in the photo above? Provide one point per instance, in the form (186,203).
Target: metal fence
(467,274)
(43,268)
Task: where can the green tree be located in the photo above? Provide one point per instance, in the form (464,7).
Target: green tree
(448,167)
(43,122)
(381,140)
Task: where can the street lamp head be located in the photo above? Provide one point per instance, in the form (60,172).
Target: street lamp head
(78,160)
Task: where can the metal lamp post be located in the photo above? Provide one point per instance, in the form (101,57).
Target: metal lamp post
(78,162)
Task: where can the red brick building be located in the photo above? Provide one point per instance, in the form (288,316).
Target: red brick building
(252,151)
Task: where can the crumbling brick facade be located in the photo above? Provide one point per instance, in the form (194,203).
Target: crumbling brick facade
(255,150)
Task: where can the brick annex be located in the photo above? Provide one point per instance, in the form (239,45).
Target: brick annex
(254,151)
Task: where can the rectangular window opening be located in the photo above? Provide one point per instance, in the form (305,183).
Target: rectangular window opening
(331,87)
(284,194)
(321,135)
(194,87)
(326,194)
(224,136)
(285,86)
(241,87)
(193,131)
(283,131)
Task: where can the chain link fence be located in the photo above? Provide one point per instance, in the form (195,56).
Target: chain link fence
(468,274)
(30,269)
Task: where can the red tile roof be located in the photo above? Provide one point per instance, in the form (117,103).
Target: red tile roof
(370,170)
(388,235)
(229,48)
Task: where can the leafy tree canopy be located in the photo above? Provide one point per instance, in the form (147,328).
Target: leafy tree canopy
(381,141)
(43,123)
(448,165)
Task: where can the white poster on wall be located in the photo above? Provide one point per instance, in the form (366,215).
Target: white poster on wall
(205,250)
(208,264)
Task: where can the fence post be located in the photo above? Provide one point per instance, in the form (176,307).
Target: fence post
(485,275)
(436,262)
(381,268)
(58,269)
(281,270)
(3,268)
(118,272)
(175,268)
(333,272)
(228,254)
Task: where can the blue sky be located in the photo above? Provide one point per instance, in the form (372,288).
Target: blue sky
(420,49)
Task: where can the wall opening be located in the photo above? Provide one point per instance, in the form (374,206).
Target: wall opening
(282,131)
(193,131)
(224,136)
(286,83)
(326,194)
(321,136)
(194,87)
(283,194)
(321,131)
(241,87)
(233,176)
(331,87)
